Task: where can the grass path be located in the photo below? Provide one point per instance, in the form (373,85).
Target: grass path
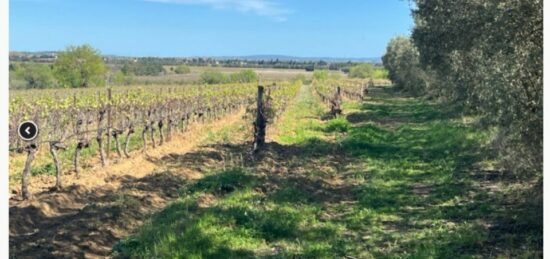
(394,177)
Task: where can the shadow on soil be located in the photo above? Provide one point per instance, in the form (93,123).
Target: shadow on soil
(84,223)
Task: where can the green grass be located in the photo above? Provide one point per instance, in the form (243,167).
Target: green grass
(301,123)
(405,190)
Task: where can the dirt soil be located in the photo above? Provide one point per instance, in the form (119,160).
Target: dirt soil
(91,213)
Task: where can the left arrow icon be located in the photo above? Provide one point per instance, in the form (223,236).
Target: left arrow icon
(28,130)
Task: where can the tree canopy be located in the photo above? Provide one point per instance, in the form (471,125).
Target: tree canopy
(487,56)
(80,66)
(31,75)
(402,62)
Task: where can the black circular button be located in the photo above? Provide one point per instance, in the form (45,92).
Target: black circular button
(28,130)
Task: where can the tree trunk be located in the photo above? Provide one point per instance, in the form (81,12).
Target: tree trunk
(144,137)
(117,142)
(102,155)
(54,146)
(152,132)
(161,133)
(169,137)
(127,142)
(76,160)
(31,151)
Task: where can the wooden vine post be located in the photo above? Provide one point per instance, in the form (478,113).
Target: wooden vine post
(99,137)
(365,89)
(336,103)
(130,130)
(260,122)
(169,118)
(109,120)
(160,122)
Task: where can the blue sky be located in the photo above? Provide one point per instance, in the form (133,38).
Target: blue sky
(305,28)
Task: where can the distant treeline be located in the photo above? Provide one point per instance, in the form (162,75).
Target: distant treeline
(50,57)
(239,63)
(84,66)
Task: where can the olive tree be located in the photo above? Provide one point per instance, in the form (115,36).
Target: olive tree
(487,56)
(403,65)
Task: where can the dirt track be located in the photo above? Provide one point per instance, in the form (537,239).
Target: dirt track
(93,212)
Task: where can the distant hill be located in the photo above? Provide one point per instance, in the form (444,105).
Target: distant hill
(288,58)
(44,54)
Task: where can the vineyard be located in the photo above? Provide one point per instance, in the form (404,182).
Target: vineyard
(334,168)
(275,129)
(122,120)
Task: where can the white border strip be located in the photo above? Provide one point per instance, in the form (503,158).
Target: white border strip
(4,104)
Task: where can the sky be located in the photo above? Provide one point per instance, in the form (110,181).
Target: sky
(303,28)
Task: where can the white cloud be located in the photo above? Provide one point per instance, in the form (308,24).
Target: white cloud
(259,7)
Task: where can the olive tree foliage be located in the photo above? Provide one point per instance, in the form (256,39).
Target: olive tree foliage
(80,66)
(403,65)
(487,57)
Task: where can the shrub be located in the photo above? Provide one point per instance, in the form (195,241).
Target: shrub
(213,77)
(361,71)
(182,69)
(142,68)
(216,77)
(244,76)
(320,75)
(32,75)
(121,79)
(380,73)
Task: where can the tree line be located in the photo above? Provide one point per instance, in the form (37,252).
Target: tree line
(83,66)
(77,66)
(484,58)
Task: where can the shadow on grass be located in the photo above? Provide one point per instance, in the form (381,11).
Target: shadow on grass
(405,191)
(385,109)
